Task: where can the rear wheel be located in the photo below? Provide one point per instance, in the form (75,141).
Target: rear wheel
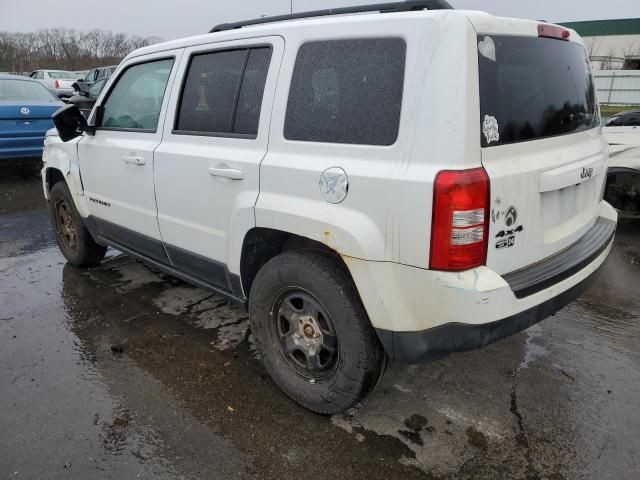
(73,238)
(313,333)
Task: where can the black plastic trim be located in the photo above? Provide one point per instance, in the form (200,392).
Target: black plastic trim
(561,266)
(210,271)
(407,6)
(110,232)
(438,342)
(146,249)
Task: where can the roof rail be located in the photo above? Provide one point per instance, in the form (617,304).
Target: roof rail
(406,6)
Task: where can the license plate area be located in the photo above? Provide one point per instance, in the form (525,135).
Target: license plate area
(568,209)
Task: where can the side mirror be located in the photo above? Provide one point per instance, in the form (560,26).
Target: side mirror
(70,122)
(81,87)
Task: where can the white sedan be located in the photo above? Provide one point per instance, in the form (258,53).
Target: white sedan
(623,186)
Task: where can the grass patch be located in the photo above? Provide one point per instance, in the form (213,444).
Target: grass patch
(608,110)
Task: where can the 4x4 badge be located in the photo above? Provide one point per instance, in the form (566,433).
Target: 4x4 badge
(506,233)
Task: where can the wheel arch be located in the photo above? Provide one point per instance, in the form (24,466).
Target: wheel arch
(623,190)
(262,244)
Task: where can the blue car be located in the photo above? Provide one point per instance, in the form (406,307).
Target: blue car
(26,107)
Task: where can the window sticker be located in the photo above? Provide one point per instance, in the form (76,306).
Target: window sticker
(491,129)
(487,48)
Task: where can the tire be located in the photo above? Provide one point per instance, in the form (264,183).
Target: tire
(73,238)
(313,333)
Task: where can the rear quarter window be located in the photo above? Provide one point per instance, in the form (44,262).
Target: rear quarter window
(347,91)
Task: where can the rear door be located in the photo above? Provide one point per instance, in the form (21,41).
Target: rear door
(541,146)
(207,167)
(117,162)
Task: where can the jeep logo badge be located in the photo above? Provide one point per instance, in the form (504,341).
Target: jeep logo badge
(586,173)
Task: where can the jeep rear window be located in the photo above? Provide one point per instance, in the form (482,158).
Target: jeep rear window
(347,91)
(533,88)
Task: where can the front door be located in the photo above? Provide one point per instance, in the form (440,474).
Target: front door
(207,167)
(117,162)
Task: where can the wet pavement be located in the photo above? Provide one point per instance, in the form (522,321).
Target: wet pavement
(122,372)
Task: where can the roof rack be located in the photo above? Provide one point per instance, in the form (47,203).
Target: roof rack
(406,6)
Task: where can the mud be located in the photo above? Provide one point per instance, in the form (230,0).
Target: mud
(123,372)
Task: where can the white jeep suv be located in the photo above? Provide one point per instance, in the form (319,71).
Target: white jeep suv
(391,182)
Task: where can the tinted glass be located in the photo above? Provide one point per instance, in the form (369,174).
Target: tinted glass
(62,75)
(209,93)
(136,99)
(250,98)
(23,91)
(347,91)
(532,88)
(96,88)
(625,120)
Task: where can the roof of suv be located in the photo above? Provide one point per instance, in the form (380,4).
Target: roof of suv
(483,22)
(276,28)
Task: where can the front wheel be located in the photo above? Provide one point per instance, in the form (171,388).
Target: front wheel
(74,240)
(313,333)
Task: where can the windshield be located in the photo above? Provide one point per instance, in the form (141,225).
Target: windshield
(62,75)
(24,91)
(532,88)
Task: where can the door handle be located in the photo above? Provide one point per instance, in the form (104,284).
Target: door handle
(225,172)
(134,159)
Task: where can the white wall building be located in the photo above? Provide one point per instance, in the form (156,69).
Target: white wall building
(612,44)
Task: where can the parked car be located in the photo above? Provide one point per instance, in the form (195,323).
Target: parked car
(86,96)
(629,118)
(98,74)
(58,81)
(623,185)
(26,107)
(370,187)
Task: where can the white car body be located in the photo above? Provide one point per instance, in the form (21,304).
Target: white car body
(624,147)
(62,87)
(202,196)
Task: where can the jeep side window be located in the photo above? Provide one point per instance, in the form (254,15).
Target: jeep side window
(223,92)
(347,91)
(134,103)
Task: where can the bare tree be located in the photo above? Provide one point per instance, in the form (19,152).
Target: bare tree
(66,49)
(592,45)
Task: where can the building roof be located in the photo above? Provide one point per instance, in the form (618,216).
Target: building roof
(606,28)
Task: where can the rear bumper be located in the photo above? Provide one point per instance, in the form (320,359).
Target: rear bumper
(416,347)
(421,314)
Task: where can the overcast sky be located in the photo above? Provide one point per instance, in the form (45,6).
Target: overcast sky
(177,18)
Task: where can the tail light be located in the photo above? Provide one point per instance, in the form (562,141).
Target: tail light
(57,84)
(460,223)
(553,31)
